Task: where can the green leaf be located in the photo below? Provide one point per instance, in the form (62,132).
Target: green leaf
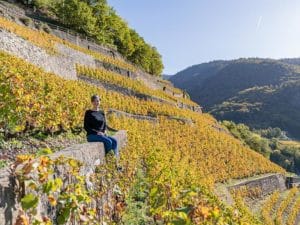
(52,185)
(44,151)
(185,210)
(64,215)
(29,201)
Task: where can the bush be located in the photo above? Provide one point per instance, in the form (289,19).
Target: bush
(26,21)
(43,27)
(46,28)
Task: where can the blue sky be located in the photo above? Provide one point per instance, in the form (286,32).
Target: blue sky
(195,31)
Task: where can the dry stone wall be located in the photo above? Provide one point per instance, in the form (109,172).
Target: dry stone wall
(125,114)
(265,185)
(90,154)
(62,64)
(123,90)
(110,67)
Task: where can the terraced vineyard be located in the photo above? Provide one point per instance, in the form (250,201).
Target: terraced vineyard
(48,42)
(114,78)
(180,161)
(282,208)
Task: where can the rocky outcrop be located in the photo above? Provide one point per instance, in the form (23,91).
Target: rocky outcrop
(90,154)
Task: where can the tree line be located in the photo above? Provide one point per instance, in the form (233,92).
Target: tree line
(98,20)
(268,142)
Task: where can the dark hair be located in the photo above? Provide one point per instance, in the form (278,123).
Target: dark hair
(94,97)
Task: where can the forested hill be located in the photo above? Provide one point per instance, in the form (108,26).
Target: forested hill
(259,92)
(101,22)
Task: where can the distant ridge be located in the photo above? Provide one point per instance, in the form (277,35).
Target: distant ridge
(166,77)
(259,92)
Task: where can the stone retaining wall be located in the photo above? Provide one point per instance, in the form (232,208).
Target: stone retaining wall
(62,63)
(90,154)
(135,116)
(130,92)
(122,90)
(115,69)
(195,108)
(77,40)
(265,185)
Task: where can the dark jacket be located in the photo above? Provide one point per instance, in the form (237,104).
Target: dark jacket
(94,121)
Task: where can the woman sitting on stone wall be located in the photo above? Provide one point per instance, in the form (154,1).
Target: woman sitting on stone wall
(96,127)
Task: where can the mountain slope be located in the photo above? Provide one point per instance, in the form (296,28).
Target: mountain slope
(181,161)
(258,92)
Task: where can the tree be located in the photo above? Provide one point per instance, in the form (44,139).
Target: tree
(78,15)
(97,19)
(156,65)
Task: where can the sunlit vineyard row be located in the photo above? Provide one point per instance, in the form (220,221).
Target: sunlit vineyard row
(268,207)
(136,85)
(179,157)
(295,212)
(243,208)
(49,41)
(45,101)
(284,205)
(281,209)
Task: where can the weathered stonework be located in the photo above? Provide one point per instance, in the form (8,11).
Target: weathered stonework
(77,40)
(266,185)
(122,90)
(75,57)
(195,108)
(110,67)
(138,117)
(183,120)
(62,63)
(129,92)
(90,154)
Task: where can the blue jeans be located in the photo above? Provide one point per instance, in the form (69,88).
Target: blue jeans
(110,143)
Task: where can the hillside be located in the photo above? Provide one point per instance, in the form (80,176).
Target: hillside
(261,93)
(271,142)
(173,157)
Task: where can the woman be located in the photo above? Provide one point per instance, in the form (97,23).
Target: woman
(96,127)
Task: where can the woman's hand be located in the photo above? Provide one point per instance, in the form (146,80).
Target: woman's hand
(100,133)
